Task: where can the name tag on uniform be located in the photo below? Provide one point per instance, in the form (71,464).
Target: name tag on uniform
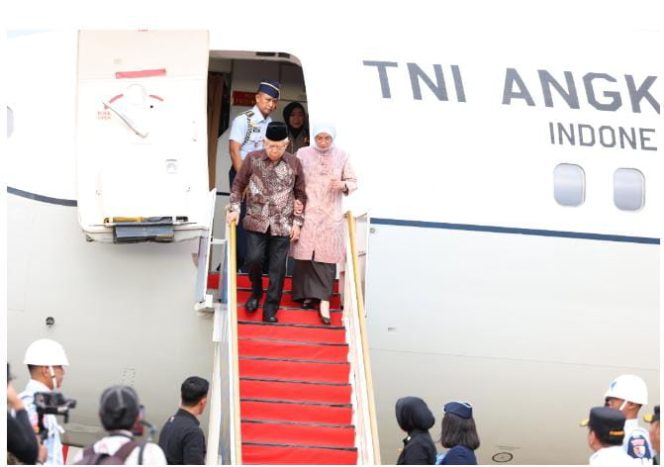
(256,129)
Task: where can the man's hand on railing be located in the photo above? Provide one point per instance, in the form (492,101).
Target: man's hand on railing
(232,217)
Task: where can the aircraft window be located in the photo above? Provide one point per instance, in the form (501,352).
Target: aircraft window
(629,190)
(569,185)
(10,122)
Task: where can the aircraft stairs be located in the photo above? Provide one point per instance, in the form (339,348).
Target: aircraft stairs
(292,392)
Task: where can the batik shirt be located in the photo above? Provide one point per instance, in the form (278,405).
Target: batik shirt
(271,189)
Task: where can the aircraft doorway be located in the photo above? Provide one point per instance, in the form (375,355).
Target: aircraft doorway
(232,82)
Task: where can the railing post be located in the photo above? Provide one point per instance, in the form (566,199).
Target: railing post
(235,370)
(363,337)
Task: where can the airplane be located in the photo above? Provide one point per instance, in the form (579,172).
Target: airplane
(510,189)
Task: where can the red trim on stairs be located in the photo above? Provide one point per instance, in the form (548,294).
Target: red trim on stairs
(299,392)
(280,455)
(298,435)
(279,411)
(295,371)
(291,333)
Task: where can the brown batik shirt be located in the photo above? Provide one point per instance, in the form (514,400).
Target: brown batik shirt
(271,189)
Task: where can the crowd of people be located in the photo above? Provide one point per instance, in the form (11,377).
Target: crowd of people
(614,434)
(34,433)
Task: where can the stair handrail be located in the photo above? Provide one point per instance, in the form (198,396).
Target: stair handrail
(357,310)
(224,444)
(236,425)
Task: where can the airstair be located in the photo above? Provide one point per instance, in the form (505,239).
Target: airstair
(296,391)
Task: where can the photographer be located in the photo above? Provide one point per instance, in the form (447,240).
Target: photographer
(21,440)
(46,360)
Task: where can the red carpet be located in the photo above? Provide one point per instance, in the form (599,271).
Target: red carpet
(295,396)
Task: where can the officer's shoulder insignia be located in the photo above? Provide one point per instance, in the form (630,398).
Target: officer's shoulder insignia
(249,113)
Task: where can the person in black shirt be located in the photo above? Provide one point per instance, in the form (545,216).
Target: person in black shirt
(181,438)
(415,418)
(21,439)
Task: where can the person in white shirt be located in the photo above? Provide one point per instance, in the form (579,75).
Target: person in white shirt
(119,412)
(628,393)
(46,360)
(606,430)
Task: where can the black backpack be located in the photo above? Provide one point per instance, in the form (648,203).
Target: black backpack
(90,457)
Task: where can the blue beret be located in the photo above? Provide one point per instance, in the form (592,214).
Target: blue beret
(269,87)
(461,409)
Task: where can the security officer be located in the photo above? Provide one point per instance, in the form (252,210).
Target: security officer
(248,128)
(605,435)
(653,419)
(247,134)
(628,393)
(46,360)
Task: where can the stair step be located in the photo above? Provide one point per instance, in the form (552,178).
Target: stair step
(257,453)
(285,370)
(317,335)
(285,412)
(243,295)
(288,350)
(310,317)
(243,281)
(295,392)
(298,435)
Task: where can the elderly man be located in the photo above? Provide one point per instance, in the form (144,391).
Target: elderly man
(273,180)
(247,135)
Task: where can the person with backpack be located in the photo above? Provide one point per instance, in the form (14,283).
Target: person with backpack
(119,411)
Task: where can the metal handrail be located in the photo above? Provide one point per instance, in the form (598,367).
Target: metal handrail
(234,357)
(363,337)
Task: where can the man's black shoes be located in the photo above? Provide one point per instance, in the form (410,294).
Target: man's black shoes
(251,305)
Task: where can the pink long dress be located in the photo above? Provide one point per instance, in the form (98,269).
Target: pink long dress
(323,229)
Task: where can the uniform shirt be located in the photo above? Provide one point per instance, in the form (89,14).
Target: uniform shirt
(271,190)
(637,442)
(256,125)
(182,439)
(613,455)
(52,442)
(152,454)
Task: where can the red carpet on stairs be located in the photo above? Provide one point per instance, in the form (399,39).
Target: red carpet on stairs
(295,396)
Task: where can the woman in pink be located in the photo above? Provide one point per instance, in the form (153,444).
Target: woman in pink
(328,177)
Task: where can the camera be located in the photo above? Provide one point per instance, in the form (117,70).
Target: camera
(52,403)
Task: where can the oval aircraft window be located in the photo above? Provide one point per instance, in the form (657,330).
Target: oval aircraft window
(569,185)
(629,191)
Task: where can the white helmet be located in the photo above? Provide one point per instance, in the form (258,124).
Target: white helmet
(628,388)
(45,352)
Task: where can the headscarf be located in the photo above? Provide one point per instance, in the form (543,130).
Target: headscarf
(323,128)
(413,414)
(288,110)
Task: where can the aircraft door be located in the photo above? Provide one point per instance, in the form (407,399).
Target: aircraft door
(141,132)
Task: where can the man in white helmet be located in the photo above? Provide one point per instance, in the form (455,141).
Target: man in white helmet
(628,393)
(46,360)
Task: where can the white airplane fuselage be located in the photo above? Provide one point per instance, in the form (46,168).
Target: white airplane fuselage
(480,284)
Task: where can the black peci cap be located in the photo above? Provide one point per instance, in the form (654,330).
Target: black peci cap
(276,131)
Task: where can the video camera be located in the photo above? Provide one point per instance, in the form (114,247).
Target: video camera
(52,403)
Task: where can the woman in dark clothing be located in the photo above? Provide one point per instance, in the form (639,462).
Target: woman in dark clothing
(415,418)
(295,118)
(459,435)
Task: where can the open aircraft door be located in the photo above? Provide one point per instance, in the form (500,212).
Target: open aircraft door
(142,170)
